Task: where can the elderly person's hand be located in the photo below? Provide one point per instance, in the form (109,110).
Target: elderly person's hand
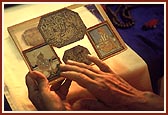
(110,90)
(45,97)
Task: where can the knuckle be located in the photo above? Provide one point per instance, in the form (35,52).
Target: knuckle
(103,84)
(83,71)
(81,75)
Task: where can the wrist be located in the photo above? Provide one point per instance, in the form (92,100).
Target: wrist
(155,101)
(146,101)
(151,102)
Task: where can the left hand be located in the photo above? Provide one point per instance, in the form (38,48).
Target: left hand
(45,97)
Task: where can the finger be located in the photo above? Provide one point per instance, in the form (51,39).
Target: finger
(63,90)
(65,86)
(30,83)
(74,68)
(56,84)
(81,79)
(102,66)
(33,92)
(89,104)
(41,80)
(82,65)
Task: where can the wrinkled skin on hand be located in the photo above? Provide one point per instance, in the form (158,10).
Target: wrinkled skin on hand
(45,97)
(110,90)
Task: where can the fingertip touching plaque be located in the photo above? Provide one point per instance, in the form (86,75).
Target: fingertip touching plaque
(61,27)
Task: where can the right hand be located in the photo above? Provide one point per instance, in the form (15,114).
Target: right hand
(110,90)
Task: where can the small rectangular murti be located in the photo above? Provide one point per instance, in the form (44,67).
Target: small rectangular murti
(104,40)
(44,59)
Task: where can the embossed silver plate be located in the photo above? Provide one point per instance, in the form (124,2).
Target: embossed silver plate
(62,27)
(77,53)
(32,37)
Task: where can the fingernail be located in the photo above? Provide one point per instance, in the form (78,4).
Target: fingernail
(70,61)
(62,73)
(60,67)
(89,54)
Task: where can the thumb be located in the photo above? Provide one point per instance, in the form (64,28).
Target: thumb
(89,104)
(40,79)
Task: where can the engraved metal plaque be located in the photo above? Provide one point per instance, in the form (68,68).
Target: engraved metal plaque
(77,53)
(62,27)
(32,37)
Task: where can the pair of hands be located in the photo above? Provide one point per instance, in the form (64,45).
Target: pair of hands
(111,92)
